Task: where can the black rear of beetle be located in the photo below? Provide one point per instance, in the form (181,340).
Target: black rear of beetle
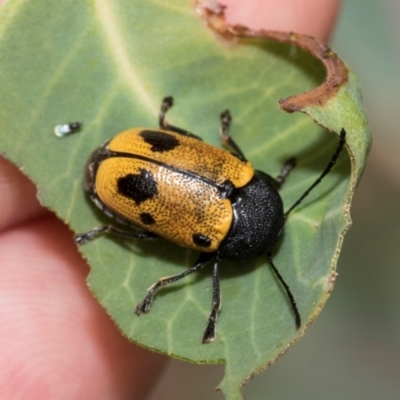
(226,209)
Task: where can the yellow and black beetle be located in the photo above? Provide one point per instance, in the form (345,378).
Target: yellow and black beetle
(169,183)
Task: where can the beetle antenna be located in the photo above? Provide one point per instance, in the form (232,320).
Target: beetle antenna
(327,169)
(288,292)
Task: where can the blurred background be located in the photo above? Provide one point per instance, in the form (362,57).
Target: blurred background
(352,351)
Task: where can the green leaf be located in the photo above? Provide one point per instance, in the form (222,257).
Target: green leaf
(108,65)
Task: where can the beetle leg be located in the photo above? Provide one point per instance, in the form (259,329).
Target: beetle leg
(145,305)
(166,104)
(226,139)
(285,171)
(288,292)
(83,238)
(209,333)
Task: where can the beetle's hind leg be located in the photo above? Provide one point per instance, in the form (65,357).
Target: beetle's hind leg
(83,238)
(226,139)
(145,305)
(166,104)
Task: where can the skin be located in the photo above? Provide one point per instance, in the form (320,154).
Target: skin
(312,17)
(56,341)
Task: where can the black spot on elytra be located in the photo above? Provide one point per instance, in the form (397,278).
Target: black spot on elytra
(201,240)
(138,187)
(160,141)
(147,219)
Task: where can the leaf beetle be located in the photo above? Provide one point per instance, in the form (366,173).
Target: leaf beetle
(168,183)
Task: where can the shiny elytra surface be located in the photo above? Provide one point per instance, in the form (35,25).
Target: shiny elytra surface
(170,184)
